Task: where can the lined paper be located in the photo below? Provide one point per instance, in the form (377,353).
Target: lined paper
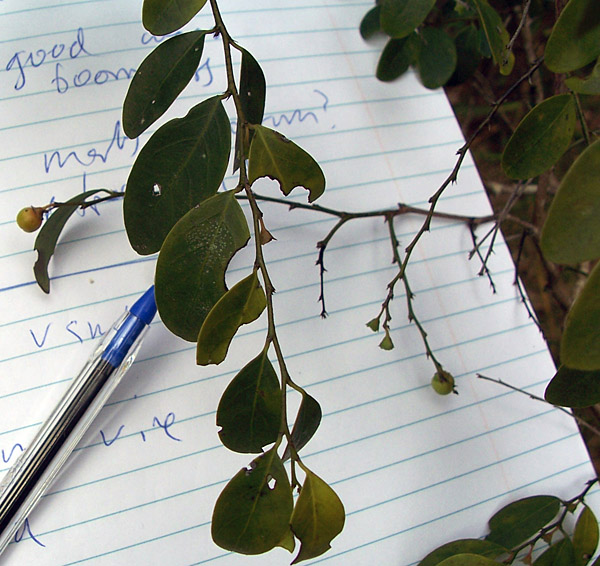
(413,469)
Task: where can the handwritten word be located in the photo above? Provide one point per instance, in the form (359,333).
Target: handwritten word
(23,59)
(93,155)
(88,77)
(26,529)
(7,456)
(204,67)
(72,327)
(165,425)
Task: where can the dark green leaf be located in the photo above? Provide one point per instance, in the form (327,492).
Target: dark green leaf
(273,155)
(249,412)
(496,35)
(574,388)
(182,164)
(370,24)
(45,242)
(252,514)
(585,537)
(559,554)
(159,80)
(437,57)
(575,39)
(468,560)
(161,17)
(521,519)
(307,423)
(591,85)
(318,517)
(242,304)
(463,546)
(467,55)
(401,17)
(570,234)
(190,271)
(541,137)
(396,58)
(580,346)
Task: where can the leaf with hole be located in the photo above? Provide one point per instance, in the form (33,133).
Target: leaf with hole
(190,271)
(273,155)
(242,304)
(252,514)
(463,546)
(159,80)
(570,234)
(541,137)
(306,424)
(249,411)
(161,17)
(496,35)
(182,164)
(318,517)
(436,60)
(585,536)
(574,388)
(400,17)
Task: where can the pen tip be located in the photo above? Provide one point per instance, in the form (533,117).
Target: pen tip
(145,307)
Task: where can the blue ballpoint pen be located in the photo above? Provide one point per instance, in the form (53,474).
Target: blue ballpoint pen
(33,472)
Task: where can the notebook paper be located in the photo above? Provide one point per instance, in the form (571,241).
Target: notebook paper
(413,469)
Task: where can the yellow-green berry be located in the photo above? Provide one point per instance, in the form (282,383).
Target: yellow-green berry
(30,218)
(442,382)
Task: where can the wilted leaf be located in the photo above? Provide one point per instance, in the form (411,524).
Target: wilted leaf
(437,57)
(306,424)
(574,388)
(182,164)
(190,271)
(273,155)
(585,537)
(570,234)
(496,35)
(242,304)
(252,514)
(575,39)
(580,345)
(249,411)
(401,17)
(541,137)
(521,519)
(468,560)
(165,16)
(370,24)
(318,517)
(464,546)
(468,55)
(559,554)
(396,58)
(45,242)
(159,80)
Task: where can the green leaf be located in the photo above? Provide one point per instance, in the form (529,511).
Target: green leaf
(574,388)
(591,85)
(437,57)
(242,304)
(575,39)
(580,345)
(182,164)
(468,55)
(541,137)
(318,517)
(273,155)
(249,411)
(496,35)
(306,424)
(396,58)
(463,546)
(585,537)
(400,17)
(161,17)
(559,554)
(45,242)
(190,271)
(159,80)
(570,234)
(252,514)
(370,24)
(521,519)
(468,560)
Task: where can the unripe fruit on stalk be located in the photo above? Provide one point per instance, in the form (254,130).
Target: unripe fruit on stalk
(30,218)
(442,382)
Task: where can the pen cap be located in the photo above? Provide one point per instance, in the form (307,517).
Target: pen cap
(145,307)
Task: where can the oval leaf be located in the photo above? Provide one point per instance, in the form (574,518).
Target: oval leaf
(318,517)
(252,514)
(521,519)
(496,35)
(570,234)
(370,24)
(591,85)
(401,17)
(165,16)
(242,304)
(190,271)
(574,388)
(249,411)
(307,423)
(463,546)
(580,345)
(541,138)
(182,164)
(396,57)
(437,58)
(585,537)
(159,80)
(575,39)
(559,554)
(273,155)
(468,560)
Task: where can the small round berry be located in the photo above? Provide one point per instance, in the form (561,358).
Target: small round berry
(442,382)
(30,218)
